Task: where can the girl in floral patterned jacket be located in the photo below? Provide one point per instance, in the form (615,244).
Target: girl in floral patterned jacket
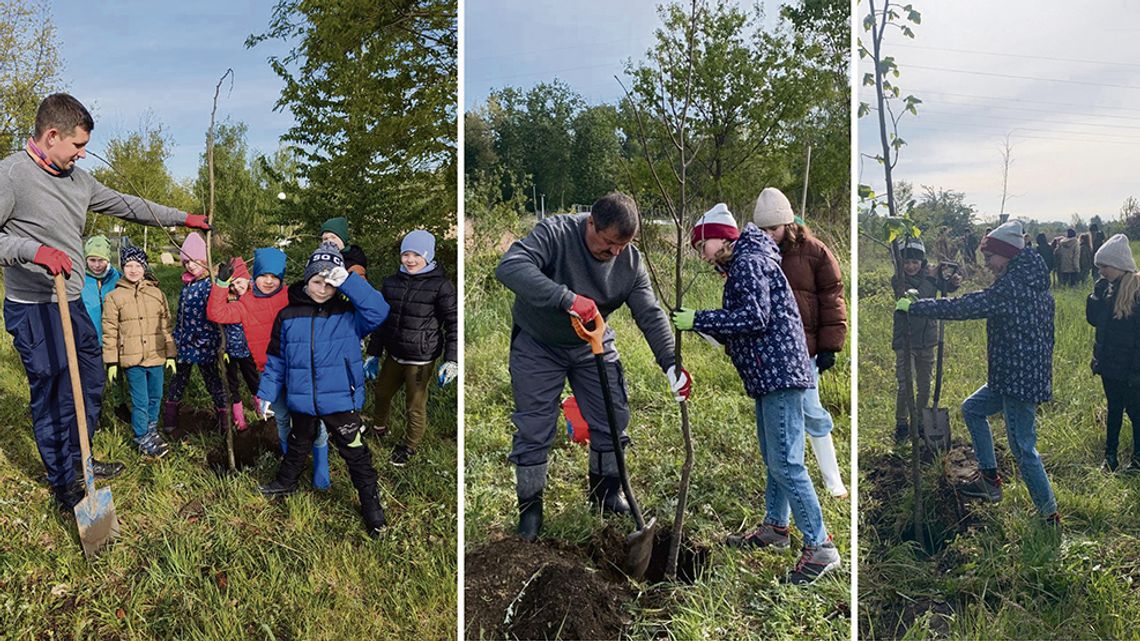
(760,325)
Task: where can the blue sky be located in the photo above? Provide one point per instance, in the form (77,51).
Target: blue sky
(123,59)
(1064,83)
(520,44)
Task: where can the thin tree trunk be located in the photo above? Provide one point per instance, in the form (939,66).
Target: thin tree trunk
(209,268)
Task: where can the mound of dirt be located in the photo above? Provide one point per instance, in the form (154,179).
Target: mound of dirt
(520,590)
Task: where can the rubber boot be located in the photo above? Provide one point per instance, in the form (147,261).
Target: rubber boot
(170,415)
(530,481)
(372,511)
(321,467)
(239,416)
(824,449)
(605,483)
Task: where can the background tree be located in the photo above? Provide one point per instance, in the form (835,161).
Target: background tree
(937,208)
(29,68)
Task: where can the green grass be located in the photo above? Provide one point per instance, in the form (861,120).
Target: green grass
(739,595)
(206,557)
(1005,577)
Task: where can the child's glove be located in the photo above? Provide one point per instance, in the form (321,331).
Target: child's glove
(112,372)
(225,273)
(683,319)
(263,409)
(371,368)
(447,372)
(680,383)
(903,305)
(172,365)
(226,358)
(336,276)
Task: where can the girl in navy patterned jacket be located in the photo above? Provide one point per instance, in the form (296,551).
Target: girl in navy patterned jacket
(760,325)
(1018,308)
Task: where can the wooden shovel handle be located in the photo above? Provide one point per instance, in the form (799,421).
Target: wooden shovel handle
(591,336)
(76,384)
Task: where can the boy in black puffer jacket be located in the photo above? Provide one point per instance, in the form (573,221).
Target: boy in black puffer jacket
(423,324)
(928,280)
(1112,310)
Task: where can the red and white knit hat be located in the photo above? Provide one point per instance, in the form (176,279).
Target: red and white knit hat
(715,223)
(1005,240)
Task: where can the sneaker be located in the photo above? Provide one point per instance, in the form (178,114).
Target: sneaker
(902,433)
(401,455)
(767,535)
(1110,464)
(380,430)
(103,470)
(1133,466)
(1054,520)
(68,496)
(277,488)
(983,488)
(151,444)
(814,563)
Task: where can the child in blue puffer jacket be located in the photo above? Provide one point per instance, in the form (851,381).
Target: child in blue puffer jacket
(314,355)
(761,328)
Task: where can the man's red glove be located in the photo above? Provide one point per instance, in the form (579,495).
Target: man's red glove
(54,260)
(584,308)
(197,221)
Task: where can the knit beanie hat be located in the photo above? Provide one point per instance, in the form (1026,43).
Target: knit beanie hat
(715,223)
(129,252)
(1007,240)
(338,226)
(420,242)
(97,246)
(772,209)
(913,249)
(1070,233)
(193,249)
(269,260)
(326,257)
(1115,252)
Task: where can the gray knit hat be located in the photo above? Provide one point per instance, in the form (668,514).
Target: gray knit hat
(325,258)
(772,209)
(1115,252)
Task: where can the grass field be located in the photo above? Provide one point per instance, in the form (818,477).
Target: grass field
(995,571)
(738,595)
(204,556)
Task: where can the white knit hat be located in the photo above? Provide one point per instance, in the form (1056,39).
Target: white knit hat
(717,222)
(1005,240)
(1115,252)
(772,209)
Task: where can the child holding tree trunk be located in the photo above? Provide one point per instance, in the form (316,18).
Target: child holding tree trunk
(1112,310)
(239,362)
(761,328)
(137,340)
(314,359)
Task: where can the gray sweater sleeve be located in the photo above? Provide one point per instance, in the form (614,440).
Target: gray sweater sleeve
(522,270)
(651,320)
(108,201)
(13,249)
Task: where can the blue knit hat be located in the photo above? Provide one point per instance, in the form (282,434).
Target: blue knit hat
(420,242)
(269,260)
(326,257)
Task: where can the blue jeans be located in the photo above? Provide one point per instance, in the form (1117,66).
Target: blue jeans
(1021,428)
(780,429)
(146,396)
(817,420)
(285,424)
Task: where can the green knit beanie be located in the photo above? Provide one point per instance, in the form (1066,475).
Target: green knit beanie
(338,226)
(97,246)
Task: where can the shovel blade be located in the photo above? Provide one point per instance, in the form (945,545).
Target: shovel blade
(936,428)
(638,550)
(95,515)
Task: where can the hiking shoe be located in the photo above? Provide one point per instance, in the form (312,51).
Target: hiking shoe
(103,470)
(379,430)
(1110,465)
(68,496)
(151,444)
(982,488)
(767,535)
(372,512)
(401,455)
(277,488)
(902,433)
(814,562)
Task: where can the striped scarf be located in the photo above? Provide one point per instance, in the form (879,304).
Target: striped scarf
(41,159)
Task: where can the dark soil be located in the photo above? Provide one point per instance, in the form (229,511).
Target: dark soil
(249,446)
(607,550)
(520,590)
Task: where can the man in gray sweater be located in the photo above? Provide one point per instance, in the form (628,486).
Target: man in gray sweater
(581,265)
(44,200)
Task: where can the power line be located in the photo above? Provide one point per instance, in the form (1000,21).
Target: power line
(1016,77)
(926,110)
(1117,140)
(1026,100)
(1018,55)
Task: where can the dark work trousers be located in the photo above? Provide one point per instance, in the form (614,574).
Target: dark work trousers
(346,431)
(37,335)
(210,377)
(247,369)
(1122,397)
(538,374)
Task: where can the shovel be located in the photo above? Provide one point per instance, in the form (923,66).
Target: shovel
(639,544)
(95,514)
(935,419)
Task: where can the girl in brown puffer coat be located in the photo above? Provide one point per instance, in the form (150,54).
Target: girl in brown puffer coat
(813,273)
(137,338)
